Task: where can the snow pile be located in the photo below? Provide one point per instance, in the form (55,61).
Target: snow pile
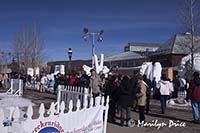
(178,102)
(185,64)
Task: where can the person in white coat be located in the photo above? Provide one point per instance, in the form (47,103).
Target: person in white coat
(166,88)
(43,82)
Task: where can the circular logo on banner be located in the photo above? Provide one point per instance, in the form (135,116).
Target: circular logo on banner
(48,127)
(49,130)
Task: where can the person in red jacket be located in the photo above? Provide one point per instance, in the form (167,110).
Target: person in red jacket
(72,79)
(194,95)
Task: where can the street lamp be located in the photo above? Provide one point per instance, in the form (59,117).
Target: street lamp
(70,57)
(88,34)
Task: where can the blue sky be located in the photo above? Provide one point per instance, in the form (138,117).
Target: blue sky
(61,23)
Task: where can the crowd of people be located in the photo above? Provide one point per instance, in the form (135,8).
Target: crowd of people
(3,79)
(135,92)
(126,92)
(50,82)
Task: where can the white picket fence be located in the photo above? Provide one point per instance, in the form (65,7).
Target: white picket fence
(16,87)
(74,93)
(81,120)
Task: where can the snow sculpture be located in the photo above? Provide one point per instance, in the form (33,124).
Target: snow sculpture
(51,76)
(59,69)
(98,66)
(185,64)
(151,70)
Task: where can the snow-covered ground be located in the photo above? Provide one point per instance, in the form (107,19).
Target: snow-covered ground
(13,101)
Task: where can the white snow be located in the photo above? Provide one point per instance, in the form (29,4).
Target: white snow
(9,105)
(13,101)
(186,63)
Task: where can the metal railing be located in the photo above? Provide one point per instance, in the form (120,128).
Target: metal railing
(16,87)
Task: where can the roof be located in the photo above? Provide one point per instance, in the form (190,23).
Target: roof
(63,62)
(124,56)
(144,44)
(5,70)
(179,44)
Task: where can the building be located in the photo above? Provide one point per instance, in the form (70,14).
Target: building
(76,65)
(172,51)
(133,56)
(168,54)
(141,47)
(125,59)
(125,62)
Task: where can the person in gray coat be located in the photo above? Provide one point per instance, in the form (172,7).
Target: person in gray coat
(95,83)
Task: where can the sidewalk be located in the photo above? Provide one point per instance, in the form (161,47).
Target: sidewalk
(173,117)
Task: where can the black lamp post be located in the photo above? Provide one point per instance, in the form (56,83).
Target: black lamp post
(70,58)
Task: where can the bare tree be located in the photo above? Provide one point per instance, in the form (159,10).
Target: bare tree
(28,47)
(37,47)
(5,58)
(190,19)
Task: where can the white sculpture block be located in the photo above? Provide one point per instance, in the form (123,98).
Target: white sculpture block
(98,66)
(151,70)
(157,71)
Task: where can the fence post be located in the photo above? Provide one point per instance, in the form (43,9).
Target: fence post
(20,87)
(58,98)
(85,92)
(12,83)
(106,114)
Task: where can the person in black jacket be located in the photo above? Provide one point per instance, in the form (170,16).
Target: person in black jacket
(177,85)
(59,80)
(148,82)
(133,84)
(112,90)
(125,99)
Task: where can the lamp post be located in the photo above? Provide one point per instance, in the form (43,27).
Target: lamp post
(70,58)
(92,35)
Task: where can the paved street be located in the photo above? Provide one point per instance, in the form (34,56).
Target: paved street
(171,114)
(175,115)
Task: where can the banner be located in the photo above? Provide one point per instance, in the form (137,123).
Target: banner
(82,121)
